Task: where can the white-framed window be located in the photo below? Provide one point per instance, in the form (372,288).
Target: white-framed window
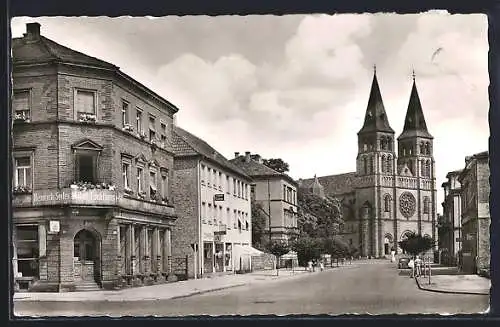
(126,173)
(138,120)
(125,113)
(86,105)
(220,215)
(152,128)
(228,186)
(140,178)
(210,214)
(203,212)
(23,173)
(234,186)
(202,174)
(153,191)
(164,185)
(219,181)
(21,104)
(163,133)
(209,176)
(235,219)
(214,178)
(228,218)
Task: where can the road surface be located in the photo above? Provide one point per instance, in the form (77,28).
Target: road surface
(372,287)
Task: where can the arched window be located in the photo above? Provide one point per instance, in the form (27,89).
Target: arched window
(422,168)
(384,164)
(389,144)
(428,168)
(410,150)
(383,143)
(428,148)
(370,164)
(389,164)
(365,165)
(404,151)
(426,205)
(387,203)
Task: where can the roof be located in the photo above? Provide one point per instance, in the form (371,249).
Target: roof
(335,184)
(34,48)
(186,144)
(415,125)
(453,173)
(255,169)
(375,117)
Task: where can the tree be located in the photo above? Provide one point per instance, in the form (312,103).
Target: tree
(327,215)
(307,248)
(336,248)
(416,244)
(259,219)
(278,248)
(277,164)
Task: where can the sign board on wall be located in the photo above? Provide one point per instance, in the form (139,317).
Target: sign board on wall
(54,226)
(219,197)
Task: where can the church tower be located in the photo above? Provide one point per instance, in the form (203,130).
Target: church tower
(375,159)
(415,160)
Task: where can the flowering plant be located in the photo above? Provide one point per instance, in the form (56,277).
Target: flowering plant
(21,117)
(128,190)
(141,195)
(128,128)
(87,118)
(141,135)
(83,186)
(22,189)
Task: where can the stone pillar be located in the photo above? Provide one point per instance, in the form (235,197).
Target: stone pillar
(156,250)
(133,255)
(42,247)
(146,262)
(118,251)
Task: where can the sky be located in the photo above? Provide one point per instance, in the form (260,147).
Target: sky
(296,86)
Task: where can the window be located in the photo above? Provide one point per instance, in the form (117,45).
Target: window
(252,191)
(163,135)
(209,176)
(152,185)
(164,185)
(228,218)
(86,167)
(389,164)
(384,164)
(125,114)
(214,178)
(139,177)
(210,214)
(426,205)
(235,219)
(85,105)
(27,250)
(284,192)
(247,225)
(219,181)
(138,119)
(365,166)
(220,215)
(21,103)
(228,185)
(22,173)
(234,187)
(202,174)
(387,203)
(152,130)
(126,174)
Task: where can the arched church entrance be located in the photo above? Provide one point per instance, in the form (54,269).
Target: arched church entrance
(388,244)
(86,258)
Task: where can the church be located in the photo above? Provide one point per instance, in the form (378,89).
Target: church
(393,190)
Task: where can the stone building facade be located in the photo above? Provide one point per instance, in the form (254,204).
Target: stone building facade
(276,194)
(449,225)
(92,168)
(393,190)
(212,198)
(475,214)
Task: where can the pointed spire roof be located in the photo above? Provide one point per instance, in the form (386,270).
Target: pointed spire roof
(375,117)
(415,125)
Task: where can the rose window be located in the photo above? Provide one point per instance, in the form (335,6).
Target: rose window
(407,204)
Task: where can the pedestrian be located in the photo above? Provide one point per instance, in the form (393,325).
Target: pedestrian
(309,266)
(321,266)
(411,265)
(418,265)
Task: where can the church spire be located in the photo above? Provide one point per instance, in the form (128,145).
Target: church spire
(415,121)
(375,117)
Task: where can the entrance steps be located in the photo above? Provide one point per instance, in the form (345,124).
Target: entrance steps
(86,286)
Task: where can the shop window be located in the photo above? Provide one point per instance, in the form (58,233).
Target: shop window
(27,250)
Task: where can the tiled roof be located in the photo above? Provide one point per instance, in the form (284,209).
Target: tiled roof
(253,168)
(45,50)
(334,184)
(187,144)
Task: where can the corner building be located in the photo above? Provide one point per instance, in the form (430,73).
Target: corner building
(393,191)
(92,167)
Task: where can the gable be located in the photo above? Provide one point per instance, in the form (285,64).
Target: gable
(141,158)
(87,144)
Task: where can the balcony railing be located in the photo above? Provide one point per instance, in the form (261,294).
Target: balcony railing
(90,197)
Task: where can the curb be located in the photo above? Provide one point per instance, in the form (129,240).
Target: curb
(447,292)
(200,292)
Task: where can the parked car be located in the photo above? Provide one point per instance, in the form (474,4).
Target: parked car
(403,263)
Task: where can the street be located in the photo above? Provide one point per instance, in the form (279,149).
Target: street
(366,287)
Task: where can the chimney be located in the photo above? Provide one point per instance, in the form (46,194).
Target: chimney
(236,154)
(247,156)
(32,31)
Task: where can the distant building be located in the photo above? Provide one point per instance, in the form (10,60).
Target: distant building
(475,213)
(449,225)
(275,192)
(393,191)
(212,197)
(92,165)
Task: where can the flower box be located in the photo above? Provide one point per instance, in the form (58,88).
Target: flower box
(141,195)
(21,118)
(87,118)
(83,186)
(128,191)
(128,128)
(21,189)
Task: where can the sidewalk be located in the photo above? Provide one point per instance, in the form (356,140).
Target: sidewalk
(167,291)
(457,284)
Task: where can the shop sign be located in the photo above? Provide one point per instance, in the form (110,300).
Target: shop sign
(54,226)
(219,197)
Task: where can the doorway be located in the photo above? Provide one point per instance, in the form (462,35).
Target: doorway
(86,261)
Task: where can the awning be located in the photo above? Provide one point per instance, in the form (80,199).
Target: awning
(246,249)
(290,255)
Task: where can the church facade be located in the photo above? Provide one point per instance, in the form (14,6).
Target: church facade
(393,190)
